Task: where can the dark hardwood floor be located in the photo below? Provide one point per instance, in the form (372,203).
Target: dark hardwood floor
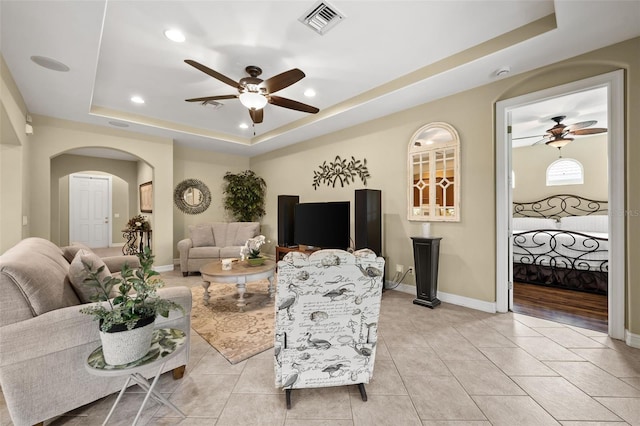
(565,306)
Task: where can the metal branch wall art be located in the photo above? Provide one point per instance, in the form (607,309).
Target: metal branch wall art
(339,170)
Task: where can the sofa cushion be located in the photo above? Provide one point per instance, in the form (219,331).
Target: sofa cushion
(201,235)
(244,231)
(231,251)
(78,273)
(33,280)
(204,252)
(69,252)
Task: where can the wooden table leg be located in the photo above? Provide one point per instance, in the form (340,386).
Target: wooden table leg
(241,287)
(205,296)
(272,291)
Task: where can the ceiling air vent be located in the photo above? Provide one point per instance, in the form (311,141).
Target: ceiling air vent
(321,17)
(212,104)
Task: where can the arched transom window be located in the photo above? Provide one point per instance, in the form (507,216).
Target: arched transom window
(565,171)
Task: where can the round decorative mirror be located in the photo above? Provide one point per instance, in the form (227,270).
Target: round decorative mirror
(192,196)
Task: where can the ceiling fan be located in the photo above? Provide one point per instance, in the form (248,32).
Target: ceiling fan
(254,93)
(560,134)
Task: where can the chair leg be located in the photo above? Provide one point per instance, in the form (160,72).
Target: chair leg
(363,392)
(287,393)
(178,372)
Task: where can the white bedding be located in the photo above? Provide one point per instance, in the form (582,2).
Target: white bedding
(562,249)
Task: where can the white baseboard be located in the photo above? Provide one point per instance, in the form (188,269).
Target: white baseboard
(454,299)
(116,245)
(163,268)
(479,305)
(631,339)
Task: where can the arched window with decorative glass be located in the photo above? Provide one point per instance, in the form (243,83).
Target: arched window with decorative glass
(565,171)
(434,174)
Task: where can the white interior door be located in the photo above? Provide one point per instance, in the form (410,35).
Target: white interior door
(89,210)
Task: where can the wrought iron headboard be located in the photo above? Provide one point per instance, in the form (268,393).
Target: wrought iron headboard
(557,206)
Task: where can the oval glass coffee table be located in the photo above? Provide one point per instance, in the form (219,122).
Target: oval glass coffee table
(240,273)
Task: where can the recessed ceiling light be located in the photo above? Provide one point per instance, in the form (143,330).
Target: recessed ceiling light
(137,100)
(309,93)
(49,63)
(175,35)
(243,126)
(118,124)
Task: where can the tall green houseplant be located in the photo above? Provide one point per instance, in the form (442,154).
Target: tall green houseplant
(244,195)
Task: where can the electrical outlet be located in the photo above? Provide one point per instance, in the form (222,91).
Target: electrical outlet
(400,268)
(410,271)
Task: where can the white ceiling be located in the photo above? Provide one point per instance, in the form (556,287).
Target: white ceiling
(381,59)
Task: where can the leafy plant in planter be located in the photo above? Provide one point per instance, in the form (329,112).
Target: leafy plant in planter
(244,195)
(135,306)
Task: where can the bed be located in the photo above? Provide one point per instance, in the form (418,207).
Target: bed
(562,241)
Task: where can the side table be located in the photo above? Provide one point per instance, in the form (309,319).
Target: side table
(425,258)
(166,344)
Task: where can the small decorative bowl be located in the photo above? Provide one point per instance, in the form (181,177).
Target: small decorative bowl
(256,261)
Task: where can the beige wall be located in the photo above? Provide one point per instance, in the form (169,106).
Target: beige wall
(123,198)
(53,137)
(467,264)
(468,247)
(209,167)
(530,167)
(12,157)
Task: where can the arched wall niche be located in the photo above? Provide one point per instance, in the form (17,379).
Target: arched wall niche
(54,137)
(124,191)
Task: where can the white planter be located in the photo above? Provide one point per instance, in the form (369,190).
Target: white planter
(123,347)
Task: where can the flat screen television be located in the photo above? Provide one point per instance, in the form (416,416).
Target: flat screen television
(322,225)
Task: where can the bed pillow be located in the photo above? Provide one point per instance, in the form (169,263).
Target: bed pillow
(591,223)
(533,223)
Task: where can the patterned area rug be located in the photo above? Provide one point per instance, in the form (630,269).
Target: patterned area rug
(236,335)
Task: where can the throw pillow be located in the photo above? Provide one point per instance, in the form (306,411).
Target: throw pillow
(77,274)
(245,231)
(69,252)
(202,235)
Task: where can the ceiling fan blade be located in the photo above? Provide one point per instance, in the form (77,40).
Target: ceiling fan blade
(591,131)
(212,73)
(581,125)
(212,98)
(256,115)
(283,80)
(527,137)
(543,140)
(291,104)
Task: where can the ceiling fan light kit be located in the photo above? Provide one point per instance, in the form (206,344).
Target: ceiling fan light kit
(254,93)
(253,100)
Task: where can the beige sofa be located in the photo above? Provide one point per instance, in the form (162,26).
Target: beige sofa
(45,340)
(213,241)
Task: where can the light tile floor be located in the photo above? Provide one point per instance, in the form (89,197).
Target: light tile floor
(447,366)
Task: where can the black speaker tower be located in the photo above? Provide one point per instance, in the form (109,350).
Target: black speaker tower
(286,207)
(368,220)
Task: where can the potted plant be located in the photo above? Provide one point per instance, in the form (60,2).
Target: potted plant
(244,195)
(251,250)
(127,320)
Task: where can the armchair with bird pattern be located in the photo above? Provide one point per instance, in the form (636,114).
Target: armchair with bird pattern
(327,309)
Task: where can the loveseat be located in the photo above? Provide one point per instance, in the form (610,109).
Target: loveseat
(213,241)
(45,340)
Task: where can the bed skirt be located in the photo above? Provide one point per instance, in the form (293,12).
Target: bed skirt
(571,279)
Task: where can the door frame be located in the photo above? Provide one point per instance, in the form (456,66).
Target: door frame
(108,178)
(614,82)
